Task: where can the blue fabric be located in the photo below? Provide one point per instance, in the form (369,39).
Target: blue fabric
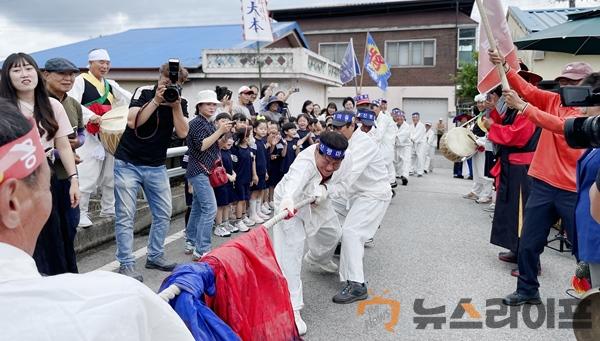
(195,280)
(588,230)
(302,133)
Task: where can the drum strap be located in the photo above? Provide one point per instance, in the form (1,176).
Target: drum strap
(98,85)
(135,127)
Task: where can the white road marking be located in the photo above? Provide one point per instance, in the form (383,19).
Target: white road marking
(113,266)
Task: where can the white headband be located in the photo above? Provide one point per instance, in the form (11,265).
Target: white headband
(99,54)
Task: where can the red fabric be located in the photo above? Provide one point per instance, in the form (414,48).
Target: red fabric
(252,294)
(516,134)
(554,161)
(98,109)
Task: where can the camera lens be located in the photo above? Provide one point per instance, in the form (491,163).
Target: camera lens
(583,132)
(171,94)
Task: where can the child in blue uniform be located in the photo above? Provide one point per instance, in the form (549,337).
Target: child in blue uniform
(304,132)
(224,194)
(275,151)
(243,164)
(290,146)
(260,181)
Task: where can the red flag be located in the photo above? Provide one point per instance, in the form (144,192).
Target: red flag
(488,77)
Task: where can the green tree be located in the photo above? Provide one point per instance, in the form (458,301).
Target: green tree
(466,81)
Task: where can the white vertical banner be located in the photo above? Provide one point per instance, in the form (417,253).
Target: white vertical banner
(256,21)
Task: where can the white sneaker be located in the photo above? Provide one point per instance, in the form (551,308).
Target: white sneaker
(221,231)
(84,221)
(257,219)
(248,222)
(370,243)
(189,248)
(266,208)
(241,226)
(330,267)
(265,211)
(263,216)
(271,205)
(300,324)
(196,256)
(231,227)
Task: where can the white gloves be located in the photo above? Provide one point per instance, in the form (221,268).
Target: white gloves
(321,195)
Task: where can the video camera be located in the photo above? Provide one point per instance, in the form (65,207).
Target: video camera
(222,91)
(581,132)
(173,90)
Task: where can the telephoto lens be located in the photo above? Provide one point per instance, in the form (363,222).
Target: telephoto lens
(583,132)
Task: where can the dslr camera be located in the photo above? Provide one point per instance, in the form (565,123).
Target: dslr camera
(581,132)
(222,91)
(173,90)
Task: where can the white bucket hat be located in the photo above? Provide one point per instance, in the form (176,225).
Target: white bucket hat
(207,96)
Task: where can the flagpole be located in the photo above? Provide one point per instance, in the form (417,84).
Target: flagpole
(362,72)
(354,66)
(259,64)
(492,41)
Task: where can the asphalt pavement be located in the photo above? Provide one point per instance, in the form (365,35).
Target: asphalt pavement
(432,260)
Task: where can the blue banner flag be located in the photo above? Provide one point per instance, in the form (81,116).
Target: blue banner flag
(350,67)
(375,64)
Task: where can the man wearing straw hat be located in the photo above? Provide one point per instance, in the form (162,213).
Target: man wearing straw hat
(97,95)
(317,223)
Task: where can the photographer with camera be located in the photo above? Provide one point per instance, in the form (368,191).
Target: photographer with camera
(553,191)
(140,161)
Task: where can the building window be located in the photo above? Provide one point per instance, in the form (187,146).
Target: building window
(466,45)
(410,53)
(333,51)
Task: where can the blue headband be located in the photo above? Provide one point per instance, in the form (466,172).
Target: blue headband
(343,116)
(366,115)
(332,153)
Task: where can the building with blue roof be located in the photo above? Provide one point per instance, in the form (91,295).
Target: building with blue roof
(148,48)
(546,64)
(214,55)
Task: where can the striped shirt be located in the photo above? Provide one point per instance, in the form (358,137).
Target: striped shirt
(200,161)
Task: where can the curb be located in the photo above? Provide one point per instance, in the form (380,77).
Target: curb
(103,230)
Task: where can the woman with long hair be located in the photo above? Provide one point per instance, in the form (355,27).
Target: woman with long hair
(22,84)
(308,109)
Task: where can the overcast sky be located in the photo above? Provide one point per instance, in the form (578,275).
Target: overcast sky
(34,25)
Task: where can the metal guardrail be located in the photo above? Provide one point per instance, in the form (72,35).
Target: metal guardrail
(176,152)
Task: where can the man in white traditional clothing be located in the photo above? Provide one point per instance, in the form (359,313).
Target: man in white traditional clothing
(403,151)
(419,141)
(97,96)
(360,197)
(317,223)
(98,305)
(386,139)
(430,145)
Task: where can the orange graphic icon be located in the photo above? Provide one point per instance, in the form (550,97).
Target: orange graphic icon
(380,300)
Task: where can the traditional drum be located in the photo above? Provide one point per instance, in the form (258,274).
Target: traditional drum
(458,143)
(112,127)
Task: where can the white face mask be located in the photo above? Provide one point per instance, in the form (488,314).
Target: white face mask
(501,106)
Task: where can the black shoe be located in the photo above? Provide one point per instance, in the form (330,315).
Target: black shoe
(515,299)
(470,177)
(351,292)
(404,181)
(425,172)
(393,193)
(394,184)
(160,264)
(508,257)
(459,177)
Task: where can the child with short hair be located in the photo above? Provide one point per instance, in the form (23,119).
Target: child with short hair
(276,147)
(225,194)
(260,176)
(290,146)
(243,164)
